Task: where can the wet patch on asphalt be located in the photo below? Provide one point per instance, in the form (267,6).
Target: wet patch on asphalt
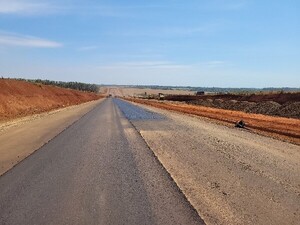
(133,112)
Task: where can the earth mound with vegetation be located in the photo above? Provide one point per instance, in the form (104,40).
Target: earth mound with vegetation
(274,104)
(21,98)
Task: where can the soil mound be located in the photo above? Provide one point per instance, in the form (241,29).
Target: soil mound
(272,108)
(266,108)
(243,106)
(20,98)
(290,110)
(280,98)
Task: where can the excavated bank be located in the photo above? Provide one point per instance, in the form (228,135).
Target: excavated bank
(272,108)
(20,98)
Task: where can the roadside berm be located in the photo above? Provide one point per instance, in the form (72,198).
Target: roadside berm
(21,98)
(287,129)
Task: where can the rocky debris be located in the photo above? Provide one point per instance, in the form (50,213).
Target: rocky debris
(240,124)
(267,108)
(244,106)
(290,110)
(272,108)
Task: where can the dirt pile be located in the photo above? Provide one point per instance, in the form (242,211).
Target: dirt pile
(20,98)
(272,108)
(267,108)
(280,98)
(290,110)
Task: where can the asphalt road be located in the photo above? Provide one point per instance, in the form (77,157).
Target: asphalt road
(98,171)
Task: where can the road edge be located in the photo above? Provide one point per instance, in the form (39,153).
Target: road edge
(170,177)
(269,134)
(48,141)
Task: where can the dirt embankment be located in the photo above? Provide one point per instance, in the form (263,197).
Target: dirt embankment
(20,98)
(279,104)
(283,128)
(280,98)
(272,108)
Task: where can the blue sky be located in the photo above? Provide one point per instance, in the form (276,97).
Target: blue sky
(225,43)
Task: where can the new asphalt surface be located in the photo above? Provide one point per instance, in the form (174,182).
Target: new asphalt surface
(98,171)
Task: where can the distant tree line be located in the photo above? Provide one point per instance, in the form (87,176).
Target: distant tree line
(72,85)
(245,90)
(216,89)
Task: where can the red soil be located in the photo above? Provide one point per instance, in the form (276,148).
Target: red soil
(20,98)
(283,128)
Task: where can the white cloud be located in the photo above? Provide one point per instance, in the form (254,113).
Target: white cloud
(166,32)
(144,64)
(11,39)
(80,7)
(186,31)
(213,64)
(209,65)
(25,7)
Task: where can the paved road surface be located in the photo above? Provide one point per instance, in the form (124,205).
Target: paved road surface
(98,171)
(19,138)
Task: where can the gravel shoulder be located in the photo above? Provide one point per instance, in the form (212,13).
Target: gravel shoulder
(286,129)
(21,137)
(230,176)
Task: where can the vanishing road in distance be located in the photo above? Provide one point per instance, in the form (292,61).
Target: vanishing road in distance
(124,163)
(98,171)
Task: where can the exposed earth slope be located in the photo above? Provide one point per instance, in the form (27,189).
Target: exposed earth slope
(20,98)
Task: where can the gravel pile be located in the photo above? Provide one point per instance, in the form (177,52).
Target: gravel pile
(291,109)
(204,102)
(267,108)
(244,106)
